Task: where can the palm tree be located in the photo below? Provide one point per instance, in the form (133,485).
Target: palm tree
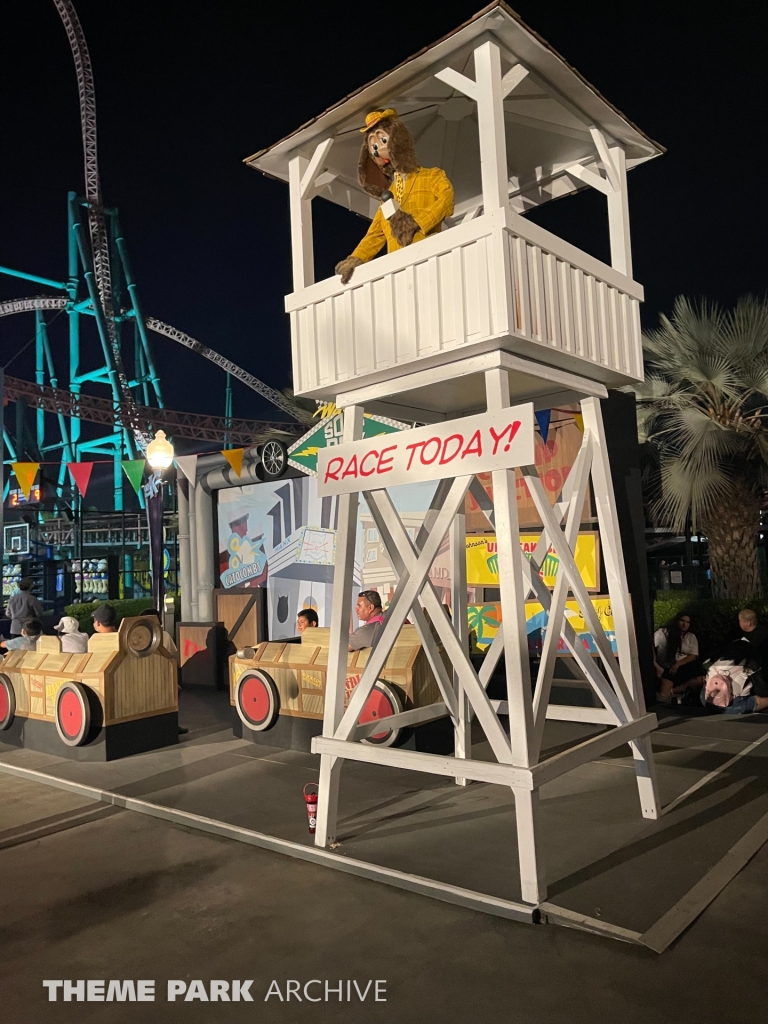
(704,408)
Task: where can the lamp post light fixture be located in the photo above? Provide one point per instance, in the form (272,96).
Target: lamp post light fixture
(159,456)
(160,451)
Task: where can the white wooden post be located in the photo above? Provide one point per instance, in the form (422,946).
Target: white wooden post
(490,120)
(533,886)
(346,536)
(302,250)
(513,590)
(618,215)
(458,559)
(618,588)
(519,697)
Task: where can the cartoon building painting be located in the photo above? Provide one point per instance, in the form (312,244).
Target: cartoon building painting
(283,537)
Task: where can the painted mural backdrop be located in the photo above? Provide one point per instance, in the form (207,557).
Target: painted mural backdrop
(485,619)
(282,536)
(554,459)
(483,560)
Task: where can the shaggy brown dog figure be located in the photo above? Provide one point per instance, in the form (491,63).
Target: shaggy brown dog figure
(388,165)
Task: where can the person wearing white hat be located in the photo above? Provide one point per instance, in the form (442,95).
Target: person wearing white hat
(72,640)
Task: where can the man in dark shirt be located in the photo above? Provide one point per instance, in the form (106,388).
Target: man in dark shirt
(750,638)
(22,606)
(749,647)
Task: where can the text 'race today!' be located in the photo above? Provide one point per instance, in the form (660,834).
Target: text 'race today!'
(475,444)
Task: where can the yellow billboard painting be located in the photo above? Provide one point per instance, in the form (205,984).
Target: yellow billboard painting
(484,621)
(483,559)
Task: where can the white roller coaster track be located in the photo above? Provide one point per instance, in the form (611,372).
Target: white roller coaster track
(247,378)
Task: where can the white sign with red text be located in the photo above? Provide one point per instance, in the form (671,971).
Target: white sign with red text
(476,444)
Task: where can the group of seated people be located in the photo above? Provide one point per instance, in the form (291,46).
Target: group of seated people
(734,681)
(369,611)
(73,640)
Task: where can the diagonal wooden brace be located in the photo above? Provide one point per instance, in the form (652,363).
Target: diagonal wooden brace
(568,566)
(475,692)
(419,618)
(542,595)
(406,593)
(580,473)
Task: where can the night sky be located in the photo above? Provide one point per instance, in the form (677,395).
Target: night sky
(186,90)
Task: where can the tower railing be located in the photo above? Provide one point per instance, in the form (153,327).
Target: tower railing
(498,281)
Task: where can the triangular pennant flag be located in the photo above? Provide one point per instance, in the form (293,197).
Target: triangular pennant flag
(579,420)
(188,466)
(134,470)
(25,475)
(234,457)
(542,418)
(81,474)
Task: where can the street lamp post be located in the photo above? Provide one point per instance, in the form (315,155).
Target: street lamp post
(160,456)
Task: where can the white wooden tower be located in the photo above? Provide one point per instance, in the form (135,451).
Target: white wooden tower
(491,312)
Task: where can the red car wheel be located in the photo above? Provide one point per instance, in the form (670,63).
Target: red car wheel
(73,714)
(382,702)
(7,702)
(257,700)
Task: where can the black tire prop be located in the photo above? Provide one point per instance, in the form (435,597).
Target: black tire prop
(274,459)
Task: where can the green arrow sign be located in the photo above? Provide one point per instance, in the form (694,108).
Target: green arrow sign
(303,454)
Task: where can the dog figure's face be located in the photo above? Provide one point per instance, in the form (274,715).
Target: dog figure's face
(378,147)
(388,147)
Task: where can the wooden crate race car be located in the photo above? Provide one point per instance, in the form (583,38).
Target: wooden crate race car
(288,679)
(118,698)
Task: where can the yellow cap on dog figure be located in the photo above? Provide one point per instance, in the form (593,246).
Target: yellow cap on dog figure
(372,119)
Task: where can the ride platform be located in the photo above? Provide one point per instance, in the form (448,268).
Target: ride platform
(610,871)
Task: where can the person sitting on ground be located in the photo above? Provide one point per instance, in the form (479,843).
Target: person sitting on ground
(750,630)
(104,619)
(23,605)
(745,690)
(736,687)
(371,614)
(306,619)
(677,658)
(72,640)
(31,632)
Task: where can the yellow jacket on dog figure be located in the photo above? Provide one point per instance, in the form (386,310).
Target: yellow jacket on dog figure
(424,195)
(427,196)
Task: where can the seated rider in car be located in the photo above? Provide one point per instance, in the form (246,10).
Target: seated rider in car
(371,614)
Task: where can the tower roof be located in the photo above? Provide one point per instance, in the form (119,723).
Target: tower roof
(548,118)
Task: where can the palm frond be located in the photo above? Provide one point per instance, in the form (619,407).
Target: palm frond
(686,491)
(745,331)
(701,405)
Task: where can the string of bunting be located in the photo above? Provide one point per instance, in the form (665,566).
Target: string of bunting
(80,472)
(26,472)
